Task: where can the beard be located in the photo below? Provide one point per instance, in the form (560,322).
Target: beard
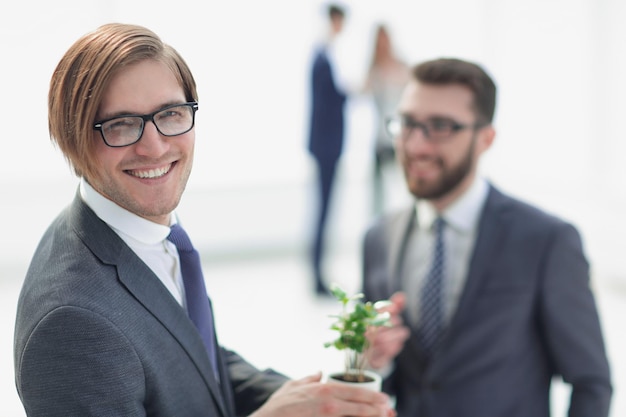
(450,177)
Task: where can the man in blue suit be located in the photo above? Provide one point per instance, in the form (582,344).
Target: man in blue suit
(105,321)
(491,295)
(326,136)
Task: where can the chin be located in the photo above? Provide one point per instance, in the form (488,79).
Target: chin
(427,191)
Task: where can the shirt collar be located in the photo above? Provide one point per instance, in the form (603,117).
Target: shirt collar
(122,220)
(462,215)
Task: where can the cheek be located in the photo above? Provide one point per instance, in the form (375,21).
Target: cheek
(188,144)
(401,153)
(107,159)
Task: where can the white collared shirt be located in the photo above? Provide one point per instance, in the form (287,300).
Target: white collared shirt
(147,239)
(461,219)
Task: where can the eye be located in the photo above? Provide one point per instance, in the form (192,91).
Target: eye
(121,123)
(409,123)
(168,114)
(173,113)
(441,125)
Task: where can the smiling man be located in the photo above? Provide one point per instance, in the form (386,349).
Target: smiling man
(491,295)
(113,318)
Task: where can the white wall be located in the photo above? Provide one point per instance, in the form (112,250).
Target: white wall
(558,64)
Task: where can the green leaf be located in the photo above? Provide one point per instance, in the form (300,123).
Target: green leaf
(339,293)
(352,324)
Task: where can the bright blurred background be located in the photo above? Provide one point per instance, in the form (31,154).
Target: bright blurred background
(559,67)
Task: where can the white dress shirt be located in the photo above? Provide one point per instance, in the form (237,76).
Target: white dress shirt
(147,239)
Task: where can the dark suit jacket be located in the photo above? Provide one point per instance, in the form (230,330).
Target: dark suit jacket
(526,314)
(326,135)
(97,334)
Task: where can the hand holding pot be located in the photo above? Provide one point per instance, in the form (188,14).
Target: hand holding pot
(309,397)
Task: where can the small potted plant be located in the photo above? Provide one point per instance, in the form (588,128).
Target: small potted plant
(355,318)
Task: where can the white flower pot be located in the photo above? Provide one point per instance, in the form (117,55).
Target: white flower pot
(374,385)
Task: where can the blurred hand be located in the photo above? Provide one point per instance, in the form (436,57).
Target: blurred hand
(308,397)
(387,342)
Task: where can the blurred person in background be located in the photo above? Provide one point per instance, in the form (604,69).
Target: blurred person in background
(110,321)
(326,135)
(491,295)
(386,78)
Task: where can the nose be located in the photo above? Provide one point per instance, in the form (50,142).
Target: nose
(152,143)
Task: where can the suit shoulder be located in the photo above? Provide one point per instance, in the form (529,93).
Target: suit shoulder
(531,217)
(385,223)
(389,218)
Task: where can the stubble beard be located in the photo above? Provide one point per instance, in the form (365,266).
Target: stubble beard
(448,181)
(162,206)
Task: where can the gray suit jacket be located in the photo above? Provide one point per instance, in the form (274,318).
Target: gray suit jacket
(526,314)
(97,334)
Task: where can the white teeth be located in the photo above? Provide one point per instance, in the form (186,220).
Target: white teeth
(153,173)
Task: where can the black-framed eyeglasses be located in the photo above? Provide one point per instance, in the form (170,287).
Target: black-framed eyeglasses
(126,130)
(434,130)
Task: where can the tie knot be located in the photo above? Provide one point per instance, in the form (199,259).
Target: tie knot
(438,224)
(179,237)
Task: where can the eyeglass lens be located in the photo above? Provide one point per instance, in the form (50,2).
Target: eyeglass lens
(171,121)
(434,129)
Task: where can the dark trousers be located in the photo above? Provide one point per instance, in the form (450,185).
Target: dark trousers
(326,170)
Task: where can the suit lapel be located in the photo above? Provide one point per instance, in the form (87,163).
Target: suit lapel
(149,291)
(488,240)
(140,281)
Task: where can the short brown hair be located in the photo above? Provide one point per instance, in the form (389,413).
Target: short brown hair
(335,11)
(82,76)
(455,71)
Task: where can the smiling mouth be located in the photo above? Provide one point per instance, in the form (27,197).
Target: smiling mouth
(424,164)
(150,173)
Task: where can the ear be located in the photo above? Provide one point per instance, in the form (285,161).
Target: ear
(486,136)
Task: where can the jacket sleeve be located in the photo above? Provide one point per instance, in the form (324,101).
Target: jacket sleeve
(251,386)
(571,325)
(76,362)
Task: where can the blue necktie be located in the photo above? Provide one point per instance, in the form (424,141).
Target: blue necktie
(431,312)
(198,303)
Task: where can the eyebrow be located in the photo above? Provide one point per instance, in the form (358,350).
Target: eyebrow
(125,113)
(431,117)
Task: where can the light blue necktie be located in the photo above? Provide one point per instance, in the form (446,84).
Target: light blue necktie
(431,311)
(198,303)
